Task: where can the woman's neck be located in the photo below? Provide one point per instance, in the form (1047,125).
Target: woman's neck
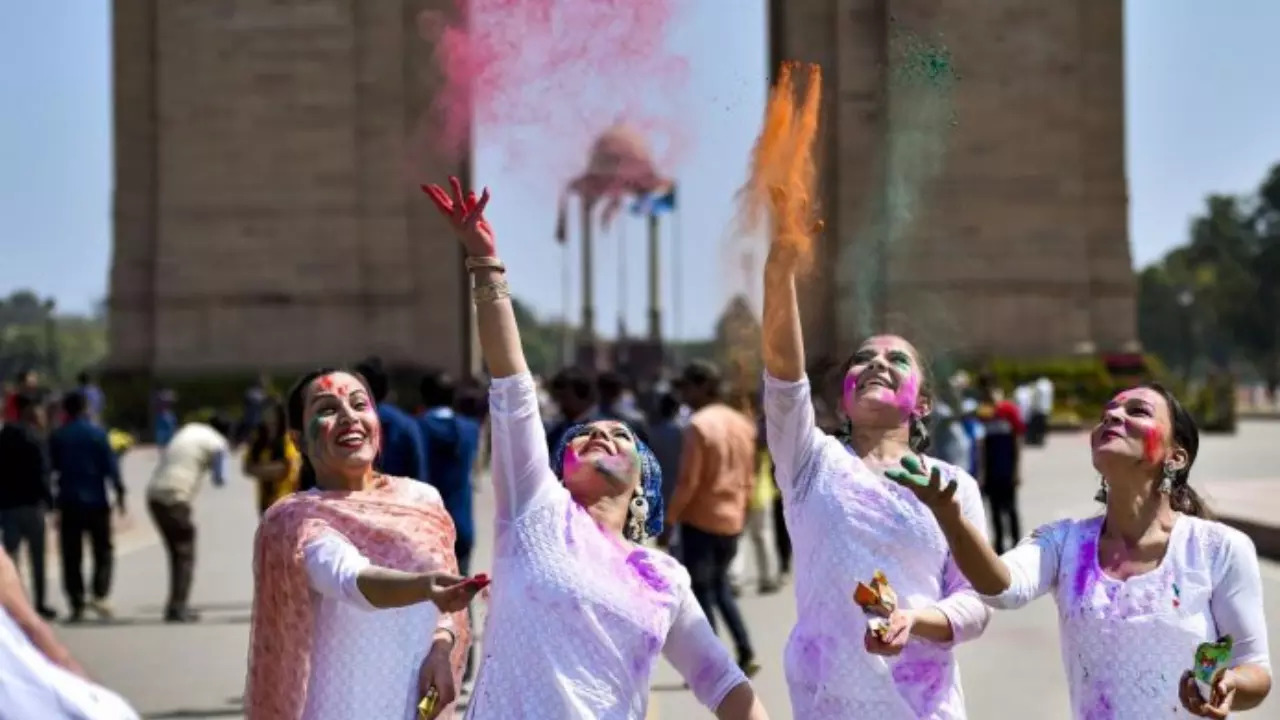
(610,512)
(1133,516)
(348,481)
(881,445)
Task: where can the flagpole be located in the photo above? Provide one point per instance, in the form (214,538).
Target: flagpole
(620,346)
(566,320)
(677,284)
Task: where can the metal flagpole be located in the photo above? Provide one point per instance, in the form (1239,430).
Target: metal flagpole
(677,284)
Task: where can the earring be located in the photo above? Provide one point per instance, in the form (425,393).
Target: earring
(1101,495)
(638,517)
(1166,479)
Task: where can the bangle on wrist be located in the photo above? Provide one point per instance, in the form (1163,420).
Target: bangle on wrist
(490,292)
(444,633)
(485,263)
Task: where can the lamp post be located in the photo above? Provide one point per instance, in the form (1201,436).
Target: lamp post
(51,339)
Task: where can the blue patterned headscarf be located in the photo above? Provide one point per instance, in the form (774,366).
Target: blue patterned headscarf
(650,475)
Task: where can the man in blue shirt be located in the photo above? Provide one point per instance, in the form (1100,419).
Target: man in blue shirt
(83,465)
(402,454)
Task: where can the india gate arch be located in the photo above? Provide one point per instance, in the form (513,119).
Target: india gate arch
(1020,248)
(264,220)
(265,217)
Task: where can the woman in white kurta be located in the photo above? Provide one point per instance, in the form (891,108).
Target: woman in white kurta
(349,578)
(580,609)
(1140,587)
(38,677)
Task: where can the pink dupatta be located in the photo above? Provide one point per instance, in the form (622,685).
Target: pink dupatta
(388,525)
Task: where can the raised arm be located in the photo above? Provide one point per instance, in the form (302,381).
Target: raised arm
(499,334)
(783,340)
(520,463)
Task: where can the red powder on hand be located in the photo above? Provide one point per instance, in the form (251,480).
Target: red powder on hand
(544,70)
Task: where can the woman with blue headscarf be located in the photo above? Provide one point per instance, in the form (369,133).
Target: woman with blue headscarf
(580,609)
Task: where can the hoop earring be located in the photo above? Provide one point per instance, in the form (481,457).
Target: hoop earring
(1101,495)
(639,515)
(1166,479)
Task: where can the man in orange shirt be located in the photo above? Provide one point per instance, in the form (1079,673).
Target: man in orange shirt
(717,474)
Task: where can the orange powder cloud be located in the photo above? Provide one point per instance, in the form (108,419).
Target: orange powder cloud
(782,184)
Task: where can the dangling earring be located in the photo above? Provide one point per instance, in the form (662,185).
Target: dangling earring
(1166,479)
(1101,496)
(638,517)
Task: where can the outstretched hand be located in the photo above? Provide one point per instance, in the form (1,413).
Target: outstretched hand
(466,215)
(452,593)
(925,483)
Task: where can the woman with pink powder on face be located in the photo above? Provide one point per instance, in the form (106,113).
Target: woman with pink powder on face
(848,520)
(1139,587)
(580,609)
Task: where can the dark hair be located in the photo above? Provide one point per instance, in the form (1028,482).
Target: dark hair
(668,406)
(83,378)
(374,376)
(610,386)
(23,402)
(471,402)
(261,440)
(73,404)
(1186,435)
(21,376)
(221,425)
(576,382)
(438,389)
(917,431)
(295,408)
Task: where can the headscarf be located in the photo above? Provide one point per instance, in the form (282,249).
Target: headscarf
(387,525)
(650,476)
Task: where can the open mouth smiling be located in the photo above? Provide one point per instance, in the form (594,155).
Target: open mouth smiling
(351,438)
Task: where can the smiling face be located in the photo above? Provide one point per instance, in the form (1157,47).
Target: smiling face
(1135,429)
(340,423)
(609,444)
(883,382)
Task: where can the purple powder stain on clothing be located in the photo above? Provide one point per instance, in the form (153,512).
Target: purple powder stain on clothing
(812,651)
(927,678)
(708,670)
(1084,576)
(643,567)
(1101,707)
(568,524)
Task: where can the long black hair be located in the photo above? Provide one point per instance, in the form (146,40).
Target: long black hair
(295,408)
(1186,435)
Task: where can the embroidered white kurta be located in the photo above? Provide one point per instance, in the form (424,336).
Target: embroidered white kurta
(846,522)
(1126,644)
(577,617)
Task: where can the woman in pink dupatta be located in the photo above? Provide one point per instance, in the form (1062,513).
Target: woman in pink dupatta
(358,610)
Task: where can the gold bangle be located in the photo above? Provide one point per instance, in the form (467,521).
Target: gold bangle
(490,292)
(485,263)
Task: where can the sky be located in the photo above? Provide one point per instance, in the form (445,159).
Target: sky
(1198,122)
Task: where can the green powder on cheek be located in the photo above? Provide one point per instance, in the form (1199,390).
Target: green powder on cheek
(313,432)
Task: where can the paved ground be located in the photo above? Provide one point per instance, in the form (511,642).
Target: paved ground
(197,671)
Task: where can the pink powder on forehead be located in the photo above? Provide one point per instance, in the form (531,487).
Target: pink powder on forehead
(548,76)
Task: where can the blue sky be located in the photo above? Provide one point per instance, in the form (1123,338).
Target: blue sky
(1200,114)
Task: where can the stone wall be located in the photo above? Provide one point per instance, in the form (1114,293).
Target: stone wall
(267,214)
(1019,244)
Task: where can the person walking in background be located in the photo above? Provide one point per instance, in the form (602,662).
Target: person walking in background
(975,431)
(1041,410)
(575,398)
(197,450)
(759,511)
(666,437)
(612,390)
(165,417)
(1003,432)
(717,471)
(84,465)
(94,399)
(38,676)
(272,459)
(402,454)
(25,493)
(451,441)
(26,382)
